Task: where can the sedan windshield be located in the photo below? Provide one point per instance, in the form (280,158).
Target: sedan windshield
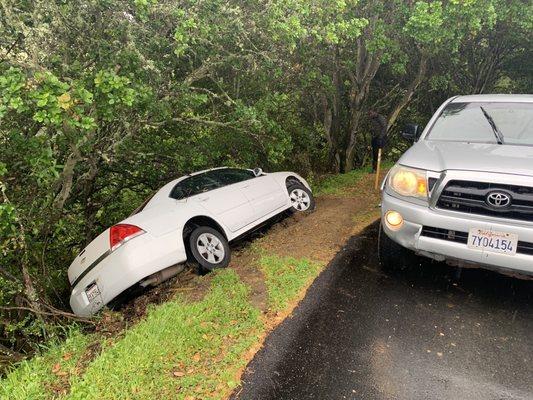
(502,123)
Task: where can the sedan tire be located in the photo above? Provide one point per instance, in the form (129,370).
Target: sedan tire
(301,198)
(209,248)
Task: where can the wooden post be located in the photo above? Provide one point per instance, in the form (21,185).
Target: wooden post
(378,168)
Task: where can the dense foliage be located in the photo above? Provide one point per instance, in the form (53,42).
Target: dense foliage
(102,101)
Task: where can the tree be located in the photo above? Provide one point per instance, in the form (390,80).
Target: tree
(344,55)
(103,101)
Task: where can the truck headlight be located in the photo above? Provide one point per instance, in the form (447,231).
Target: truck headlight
(409,182)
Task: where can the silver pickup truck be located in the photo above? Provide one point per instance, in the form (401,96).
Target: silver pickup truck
(463,193)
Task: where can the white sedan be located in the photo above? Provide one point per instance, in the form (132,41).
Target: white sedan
(191,218)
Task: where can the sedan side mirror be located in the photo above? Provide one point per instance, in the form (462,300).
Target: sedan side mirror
(258,172)
(411,132)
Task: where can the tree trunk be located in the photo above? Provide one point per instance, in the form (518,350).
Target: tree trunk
(366,68)
(352,144)
(90,210)
(331,108)
(30,292)
(333,153)
(409,92)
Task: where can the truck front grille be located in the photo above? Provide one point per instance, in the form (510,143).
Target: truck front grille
(471,197)
(462,237)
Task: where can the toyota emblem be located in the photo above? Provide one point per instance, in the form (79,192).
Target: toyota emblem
(498,199)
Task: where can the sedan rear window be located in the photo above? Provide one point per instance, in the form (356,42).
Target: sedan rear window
(194,185)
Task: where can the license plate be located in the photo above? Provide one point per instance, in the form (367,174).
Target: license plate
(493,241)
(92,292)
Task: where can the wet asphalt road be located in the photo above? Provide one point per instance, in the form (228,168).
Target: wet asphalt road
(423,333)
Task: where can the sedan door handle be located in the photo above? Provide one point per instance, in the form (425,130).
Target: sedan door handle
(202,199)
(245,186)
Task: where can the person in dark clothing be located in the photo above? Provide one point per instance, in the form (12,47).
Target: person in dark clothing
(379,135)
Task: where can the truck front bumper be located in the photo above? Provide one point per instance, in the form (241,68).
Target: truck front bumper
(449,247)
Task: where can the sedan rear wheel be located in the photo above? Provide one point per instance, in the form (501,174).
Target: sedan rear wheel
(301,198)
(209,248)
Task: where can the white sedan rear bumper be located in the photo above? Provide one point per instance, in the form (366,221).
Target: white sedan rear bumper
(416,217)
(121,269)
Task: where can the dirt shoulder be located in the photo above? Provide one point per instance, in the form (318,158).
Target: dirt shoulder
(317,236)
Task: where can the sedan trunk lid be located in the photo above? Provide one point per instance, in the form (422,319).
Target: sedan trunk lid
(97,249)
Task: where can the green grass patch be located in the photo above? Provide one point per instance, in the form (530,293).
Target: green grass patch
(285,278)
(337,184)
(43,376)
(181,350)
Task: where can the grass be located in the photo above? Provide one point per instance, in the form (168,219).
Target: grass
(337,184)
(182,350)
(285,277)
(44,376)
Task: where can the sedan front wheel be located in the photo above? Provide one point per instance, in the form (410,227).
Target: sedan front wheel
(301,198)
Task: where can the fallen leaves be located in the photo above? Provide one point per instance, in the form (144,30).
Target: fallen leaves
(56,370)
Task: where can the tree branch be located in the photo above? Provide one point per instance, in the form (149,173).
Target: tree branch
(409,92)
(4,58)
(10,355)
(53,313)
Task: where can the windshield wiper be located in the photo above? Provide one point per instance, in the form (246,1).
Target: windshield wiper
(497,132)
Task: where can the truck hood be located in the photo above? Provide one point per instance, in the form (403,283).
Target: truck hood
(440,156)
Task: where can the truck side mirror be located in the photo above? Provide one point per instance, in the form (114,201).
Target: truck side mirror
(258,171)
(411,132)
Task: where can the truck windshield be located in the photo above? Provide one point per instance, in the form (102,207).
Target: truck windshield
(503,123)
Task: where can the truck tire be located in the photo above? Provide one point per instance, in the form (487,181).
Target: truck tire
(391,255)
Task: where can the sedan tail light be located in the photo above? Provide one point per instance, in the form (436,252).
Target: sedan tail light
(121,233)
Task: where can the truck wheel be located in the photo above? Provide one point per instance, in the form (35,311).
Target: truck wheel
(391,255)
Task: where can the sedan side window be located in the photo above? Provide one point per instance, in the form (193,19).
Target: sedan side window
(229,176)
(194,185)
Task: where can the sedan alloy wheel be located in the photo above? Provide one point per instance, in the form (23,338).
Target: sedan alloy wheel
(300,199)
